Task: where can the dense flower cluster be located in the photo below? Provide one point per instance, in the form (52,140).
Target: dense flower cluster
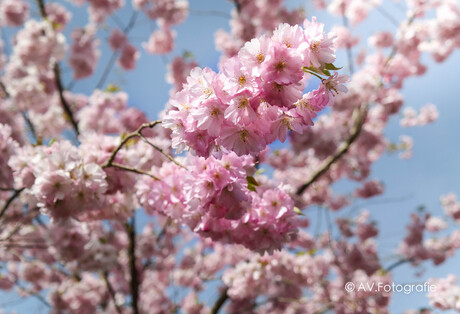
(257,97)
(251,19)
(78,171)
(219,199)
(84,52)
(58,181)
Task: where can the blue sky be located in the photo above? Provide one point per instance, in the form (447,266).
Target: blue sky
(433,170)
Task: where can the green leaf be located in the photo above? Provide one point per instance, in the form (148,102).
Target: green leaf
(330,66)
(252,183)
(103,240)
(251,180)
(252,187)
(52,141)
(112,88)
(298,211)
(187,54)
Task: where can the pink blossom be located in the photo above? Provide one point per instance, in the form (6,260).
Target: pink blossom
(161,41)
(13,12)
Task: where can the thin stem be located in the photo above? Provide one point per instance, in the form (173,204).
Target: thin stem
(161,151)
(349,51)
(30,125)
(387,15)
(111,291)
(113,58)
(313,73)
(397,263)
(131,169)
(35,295)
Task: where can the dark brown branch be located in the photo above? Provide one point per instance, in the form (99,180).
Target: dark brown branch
(111,292)
(127,138)
(134,284)
(10,200)
(238,6)
(57,77)
(360,114)
(220,301)
(65,105)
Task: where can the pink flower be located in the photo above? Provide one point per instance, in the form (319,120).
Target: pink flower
(117,39)
(13,12)
(128,57)
(280,66)
(161,41)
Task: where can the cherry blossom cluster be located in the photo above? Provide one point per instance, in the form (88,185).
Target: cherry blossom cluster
(437,249)
(128,53)
(167,13)
(69,211)
(219,199)
(257,97)
(84,52)
(13,12)
(57,180)
(178,71)
(451,206)
(8,148)
(428,114)
(251,19)
(447,293)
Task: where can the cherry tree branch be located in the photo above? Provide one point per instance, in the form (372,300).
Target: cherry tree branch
(57,77)
(360,116)
(220,301)
(10,200)
(138,133)
(111,291)
(134,284)
(171,158)
(5,94)
(65,105)
(127,138)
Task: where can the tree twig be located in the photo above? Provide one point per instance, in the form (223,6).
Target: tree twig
(111,291)
(127,138)
(160,150)
(114,56)
(65,105)
(360,114)
(220,301)
(134,284)
(57,77)
(10,200)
